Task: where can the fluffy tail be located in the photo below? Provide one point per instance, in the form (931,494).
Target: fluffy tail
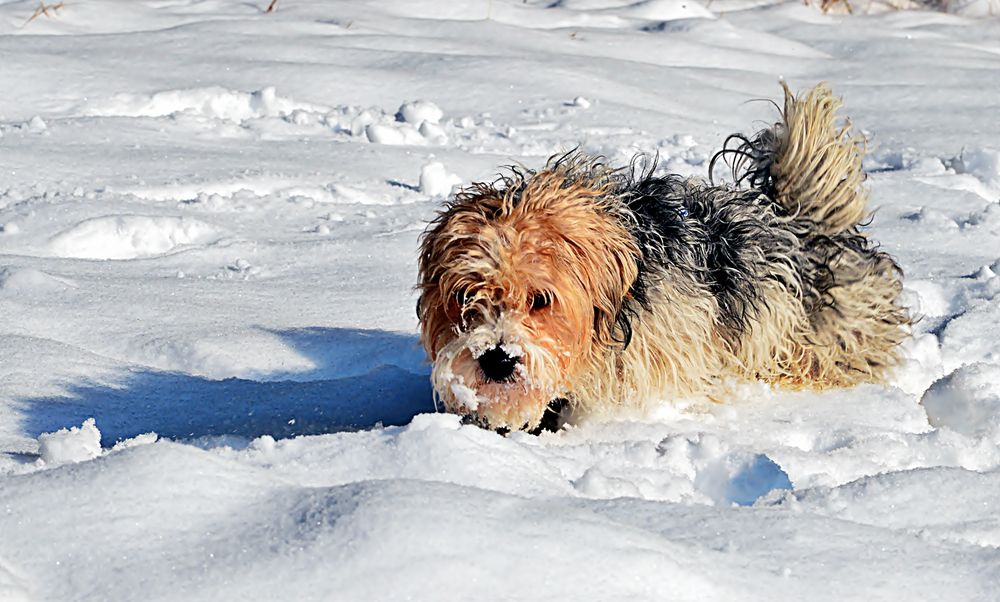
(809,162)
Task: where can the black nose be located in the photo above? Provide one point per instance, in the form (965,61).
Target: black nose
(497,365)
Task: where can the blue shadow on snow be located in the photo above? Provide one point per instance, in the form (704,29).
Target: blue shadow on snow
(362,378)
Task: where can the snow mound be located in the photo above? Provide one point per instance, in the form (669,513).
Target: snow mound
(696,468)
(75,444)
(436,180)
(983,163)
(911,500)
(967,401)
(383,537)
(418,505)
(418,112)
(394,134)
(130,236)
(211,102)
(30,280)
(416,123)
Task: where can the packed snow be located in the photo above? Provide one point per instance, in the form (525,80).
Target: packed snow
(211,383)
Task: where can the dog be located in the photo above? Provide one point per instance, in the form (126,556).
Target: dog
(582,287)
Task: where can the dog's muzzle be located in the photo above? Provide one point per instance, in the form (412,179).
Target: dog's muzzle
(497,365)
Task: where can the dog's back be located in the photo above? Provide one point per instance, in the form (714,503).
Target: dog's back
(798,292)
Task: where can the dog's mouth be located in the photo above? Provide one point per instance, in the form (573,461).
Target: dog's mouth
(551,421)
(501,384)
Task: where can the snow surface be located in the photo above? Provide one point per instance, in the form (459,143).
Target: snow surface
(211,386)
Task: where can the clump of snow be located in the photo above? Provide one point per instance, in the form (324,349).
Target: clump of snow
(10,228)
(581,102)
(137,441)
(967,401)
(395,134)
(75,444)
(37,125)
(433,133)
(130,236)
(418,112)
(922,363)
(465,395)
(512,349)
(927,298)
(212,102)
(436,180)
(983,163)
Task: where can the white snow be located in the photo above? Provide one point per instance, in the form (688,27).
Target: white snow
(465,395)
(74,444)
(967,401)
(513,349)
(401,134)
(983,163)
(130,236)
(419,112)
(436,180)
(212,102)
(211,383)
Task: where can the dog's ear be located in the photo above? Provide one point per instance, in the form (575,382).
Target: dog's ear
(454,233)
(613,268)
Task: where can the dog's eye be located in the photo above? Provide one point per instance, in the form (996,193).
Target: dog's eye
(540,300)
(460,297)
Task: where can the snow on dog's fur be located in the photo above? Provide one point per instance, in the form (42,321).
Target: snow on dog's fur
(594,286)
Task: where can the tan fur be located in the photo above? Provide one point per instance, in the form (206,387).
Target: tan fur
(818,176)
(857,339)
(496,254)
(817,171)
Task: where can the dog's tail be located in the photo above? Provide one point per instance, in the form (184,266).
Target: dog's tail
(809,162)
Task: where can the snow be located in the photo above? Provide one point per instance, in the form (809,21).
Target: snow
(75,444)
(130,236)
(983,163)
(967,401)
(436,180)
(419,111)
(465,395)
(212,386)
(211,103)
(513,349)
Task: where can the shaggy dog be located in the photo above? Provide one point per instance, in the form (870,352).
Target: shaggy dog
(586,286)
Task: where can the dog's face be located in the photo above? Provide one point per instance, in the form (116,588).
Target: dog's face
(520,286)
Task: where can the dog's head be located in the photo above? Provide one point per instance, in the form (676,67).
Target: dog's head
(521,282)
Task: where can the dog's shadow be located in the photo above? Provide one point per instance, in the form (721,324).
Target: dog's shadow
(361,379)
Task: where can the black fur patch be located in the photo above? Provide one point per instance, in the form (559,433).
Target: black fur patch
(717,236)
